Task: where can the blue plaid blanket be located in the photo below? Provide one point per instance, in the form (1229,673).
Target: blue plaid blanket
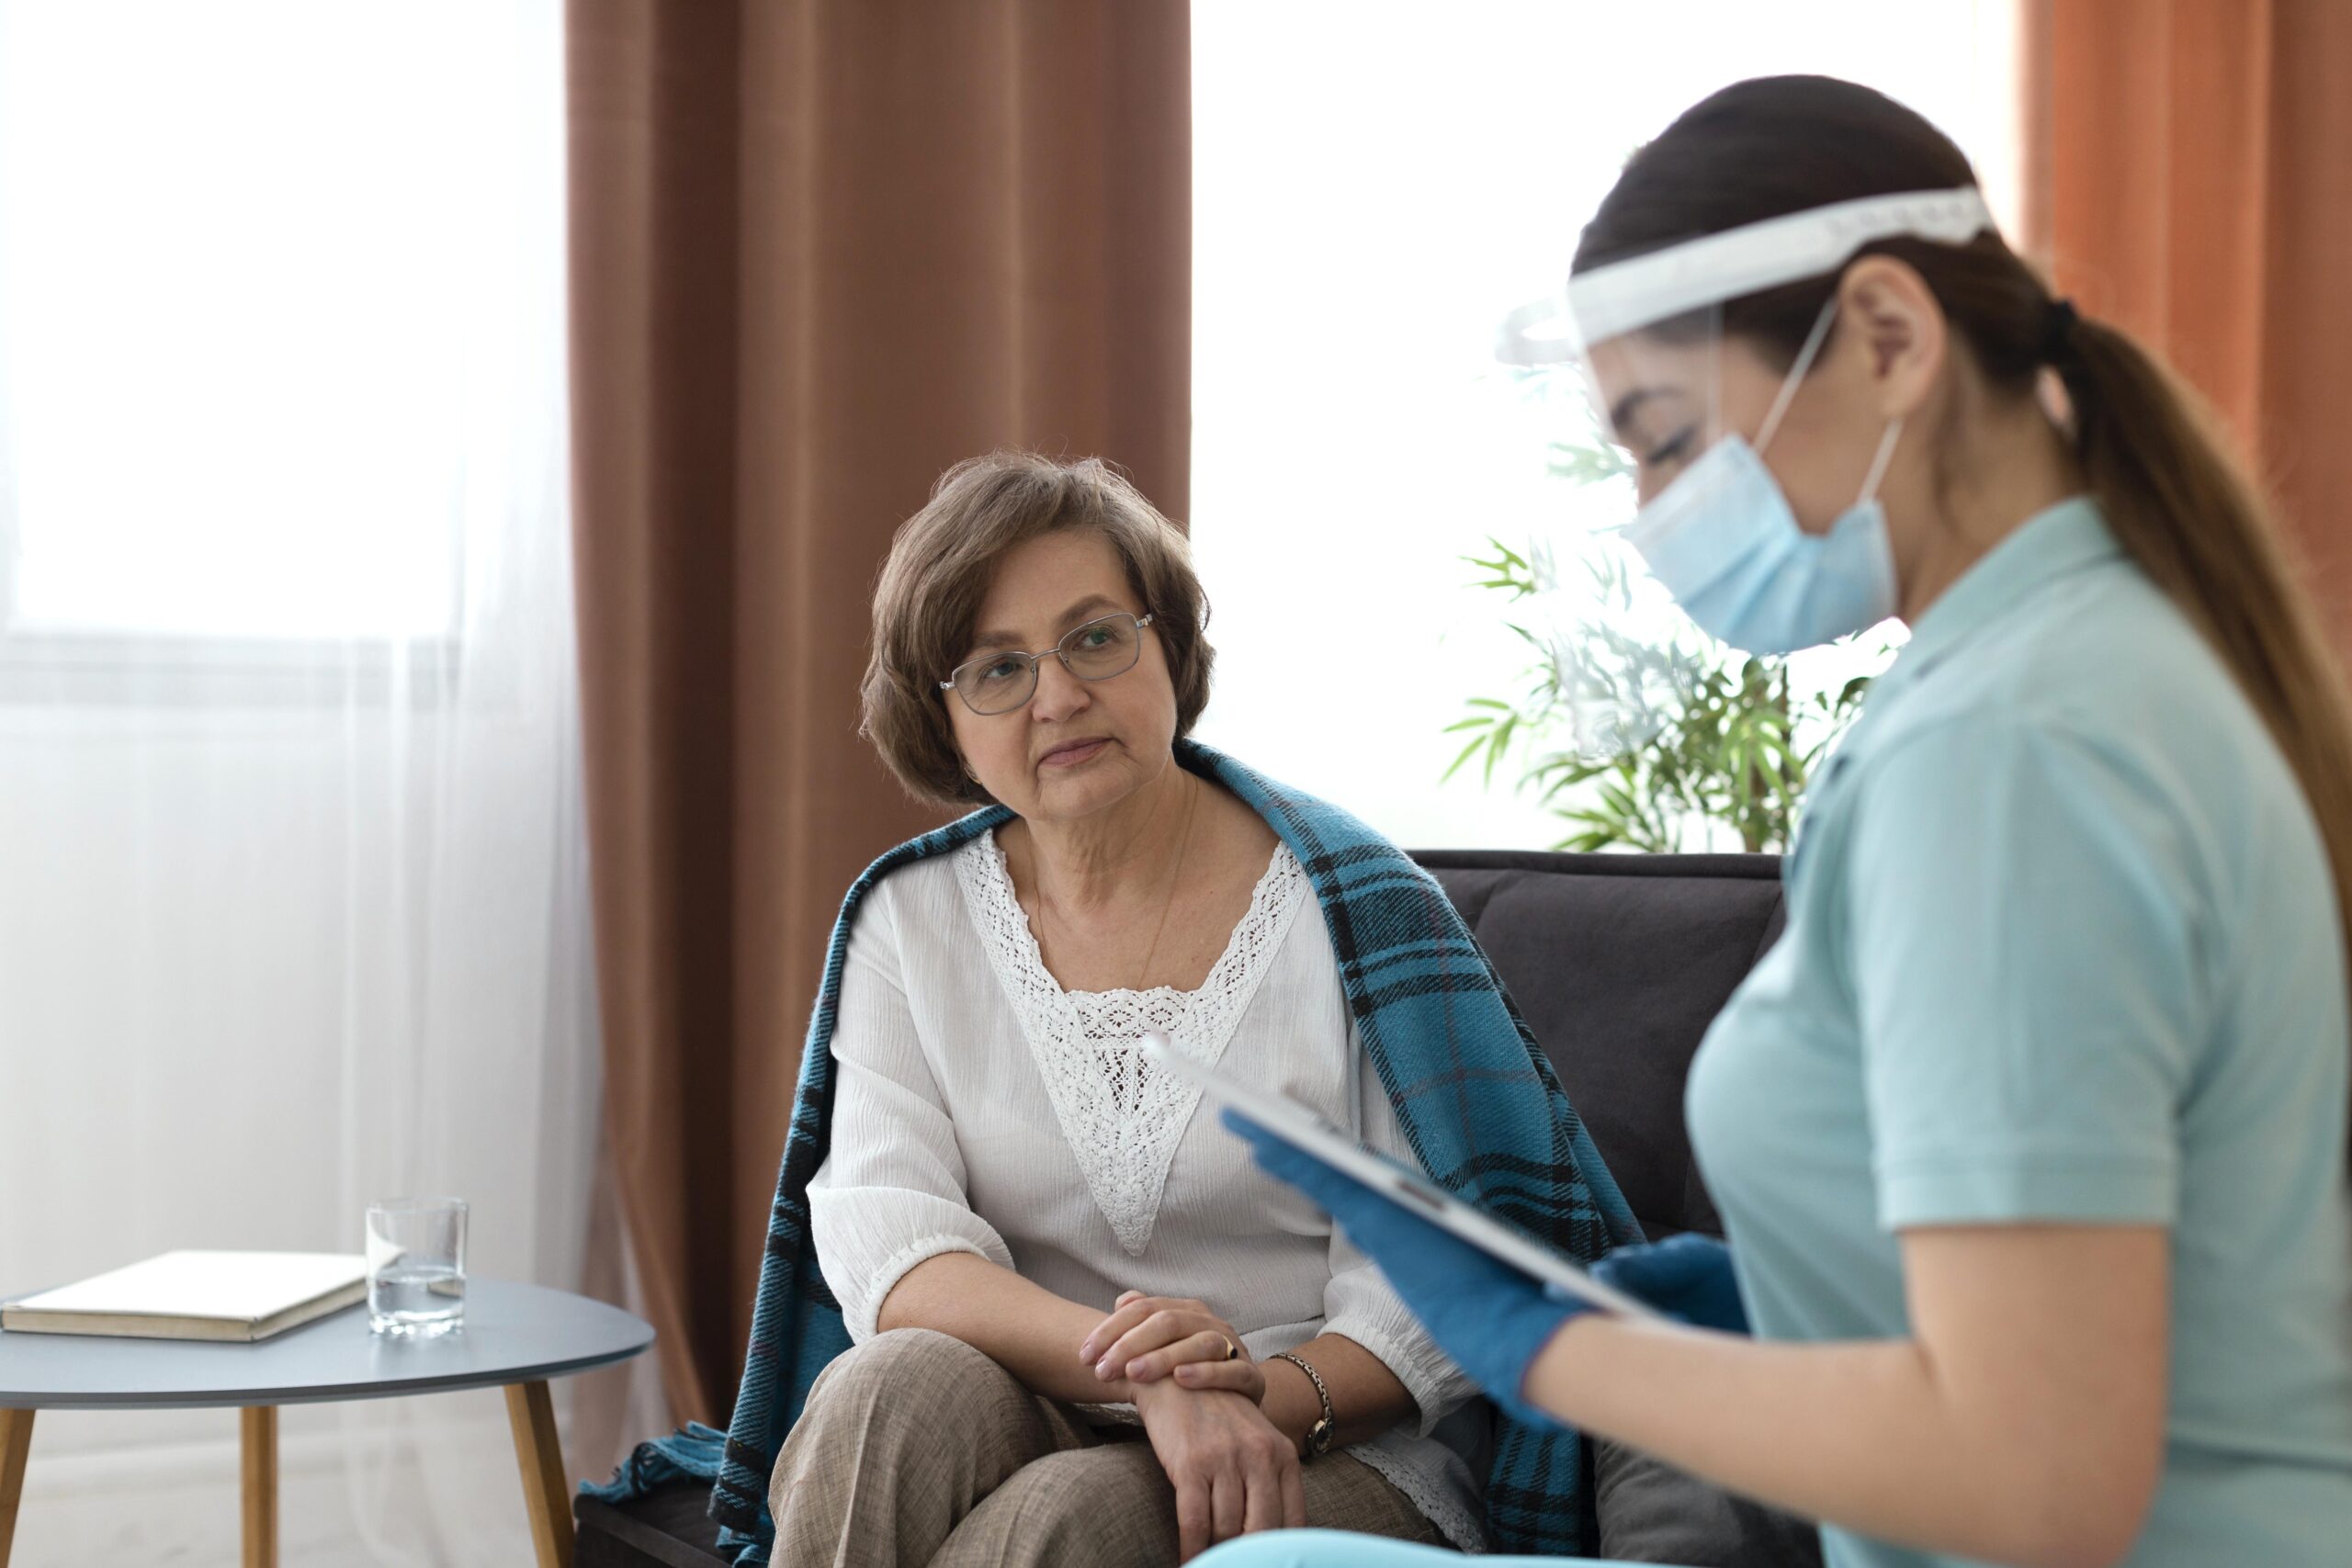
(1475,1095)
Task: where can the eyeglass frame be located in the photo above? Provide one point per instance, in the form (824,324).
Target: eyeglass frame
(1058,651)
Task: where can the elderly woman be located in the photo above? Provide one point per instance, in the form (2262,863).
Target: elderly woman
(1082,1326)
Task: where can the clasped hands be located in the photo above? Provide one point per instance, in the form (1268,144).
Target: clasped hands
(1146,1338)
(1202,1399)
(1233,1470)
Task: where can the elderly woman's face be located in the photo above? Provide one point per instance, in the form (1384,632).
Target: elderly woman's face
(1077,746)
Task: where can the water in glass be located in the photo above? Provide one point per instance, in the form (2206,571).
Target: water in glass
(416,1266)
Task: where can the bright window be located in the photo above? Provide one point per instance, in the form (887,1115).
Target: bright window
(249,254)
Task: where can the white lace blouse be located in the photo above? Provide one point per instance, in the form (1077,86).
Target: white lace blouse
(981,1108)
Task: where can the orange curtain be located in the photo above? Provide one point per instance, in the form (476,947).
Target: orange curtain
(821,249)
(2189,177)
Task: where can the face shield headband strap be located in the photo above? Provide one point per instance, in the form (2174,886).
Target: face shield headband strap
(1622,297)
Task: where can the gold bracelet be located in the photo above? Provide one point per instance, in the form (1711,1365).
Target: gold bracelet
(1319,1437)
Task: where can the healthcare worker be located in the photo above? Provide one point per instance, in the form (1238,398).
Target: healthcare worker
(2029,1134)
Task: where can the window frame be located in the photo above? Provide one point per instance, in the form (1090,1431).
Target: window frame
(116,668)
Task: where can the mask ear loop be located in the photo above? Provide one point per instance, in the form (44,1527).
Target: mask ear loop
(1796,375)
(1878,464)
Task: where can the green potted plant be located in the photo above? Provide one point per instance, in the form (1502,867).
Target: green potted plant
(1635,737)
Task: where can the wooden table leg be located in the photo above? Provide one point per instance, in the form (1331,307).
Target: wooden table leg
(544,1491)
(257,1427)
(16,1442)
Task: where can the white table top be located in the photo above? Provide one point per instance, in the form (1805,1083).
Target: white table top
(513,1334)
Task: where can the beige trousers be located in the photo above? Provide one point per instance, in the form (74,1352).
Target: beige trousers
(918,1452)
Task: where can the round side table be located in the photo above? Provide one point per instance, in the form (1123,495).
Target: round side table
(516,1337)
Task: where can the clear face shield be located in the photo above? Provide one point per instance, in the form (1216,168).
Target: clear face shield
(1616,658)
(1666,399)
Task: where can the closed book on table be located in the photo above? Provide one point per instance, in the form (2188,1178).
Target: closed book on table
(197,1295)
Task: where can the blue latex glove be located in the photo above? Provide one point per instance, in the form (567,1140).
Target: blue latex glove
(1490,1318)
(1689,1277)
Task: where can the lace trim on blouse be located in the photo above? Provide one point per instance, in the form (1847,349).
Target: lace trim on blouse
(1438,1504)
(1123,1120)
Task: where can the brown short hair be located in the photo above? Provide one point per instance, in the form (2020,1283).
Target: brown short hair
(940,563)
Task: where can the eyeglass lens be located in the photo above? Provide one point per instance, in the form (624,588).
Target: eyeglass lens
(1094,651)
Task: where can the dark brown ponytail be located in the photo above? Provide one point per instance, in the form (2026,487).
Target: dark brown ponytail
(2202,533)
(2174,500)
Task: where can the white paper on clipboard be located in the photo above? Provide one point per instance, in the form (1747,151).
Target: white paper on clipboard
(1410,1189)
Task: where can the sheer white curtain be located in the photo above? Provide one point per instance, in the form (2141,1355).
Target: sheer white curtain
(293,906)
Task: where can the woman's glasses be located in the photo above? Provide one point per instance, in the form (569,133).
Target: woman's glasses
(999,683)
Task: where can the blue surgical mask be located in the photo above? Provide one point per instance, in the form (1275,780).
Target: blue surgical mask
(1723,540)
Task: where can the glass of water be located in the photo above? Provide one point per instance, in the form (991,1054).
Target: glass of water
(416,1266)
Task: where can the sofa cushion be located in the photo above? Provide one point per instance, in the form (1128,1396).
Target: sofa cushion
(1618,962)
(1651,1512)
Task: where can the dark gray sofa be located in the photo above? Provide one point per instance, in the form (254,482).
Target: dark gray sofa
(1618,962)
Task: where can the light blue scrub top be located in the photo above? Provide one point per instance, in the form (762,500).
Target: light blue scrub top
(2063,946)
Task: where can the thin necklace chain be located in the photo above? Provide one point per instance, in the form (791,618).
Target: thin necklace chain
(1183,847)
